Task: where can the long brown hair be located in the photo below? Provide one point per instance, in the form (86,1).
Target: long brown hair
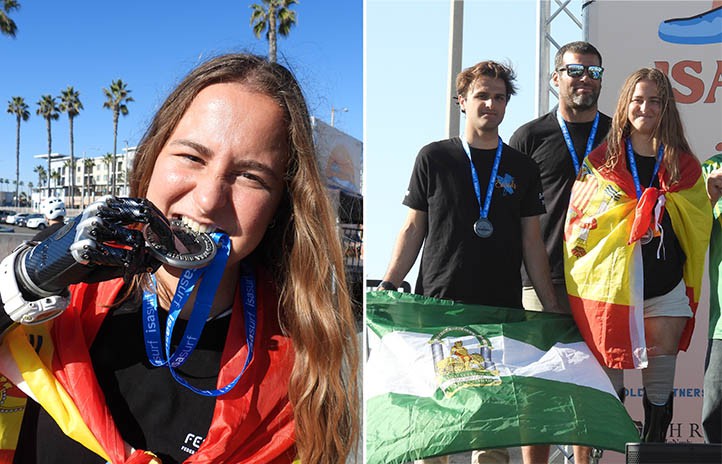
(302,251)
(669,130)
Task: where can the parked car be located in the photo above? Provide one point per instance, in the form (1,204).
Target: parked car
(36,221)
(4,213)
(21,219)
(13,218)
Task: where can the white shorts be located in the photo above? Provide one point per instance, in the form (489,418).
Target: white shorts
(672,304)
(531,302)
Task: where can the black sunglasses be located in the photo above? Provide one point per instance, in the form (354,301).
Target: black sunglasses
(577,70)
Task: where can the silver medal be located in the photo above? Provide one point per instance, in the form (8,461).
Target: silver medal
(647,237)
(483,228)
(192,249)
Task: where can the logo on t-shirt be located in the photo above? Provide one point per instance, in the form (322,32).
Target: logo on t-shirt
(506,183)
(191,443)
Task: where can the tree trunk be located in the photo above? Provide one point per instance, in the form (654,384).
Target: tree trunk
(72,165)
(17,165)
(50,145)
(272,33)
(116,113)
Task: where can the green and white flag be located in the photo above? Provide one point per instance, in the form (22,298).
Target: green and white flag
(444,377)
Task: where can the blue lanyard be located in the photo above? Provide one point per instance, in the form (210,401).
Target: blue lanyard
(483,210)
(633,166)
(570,144)
(211,278)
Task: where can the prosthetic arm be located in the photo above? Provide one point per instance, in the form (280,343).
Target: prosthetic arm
(107,241)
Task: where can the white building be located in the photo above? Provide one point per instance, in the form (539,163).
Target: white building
(93,177)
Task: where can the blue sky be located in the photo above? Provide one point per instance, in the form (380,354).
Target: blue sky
(406,61)
(151,45)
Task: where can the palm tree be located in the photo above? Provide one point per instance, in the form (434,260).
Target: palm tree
(42,175)
(7,25)
(277,17)
(19,108)
(70,103)
(69,169)
(109,159)
(48,109)
(117,97)
(88,165)
(55,176)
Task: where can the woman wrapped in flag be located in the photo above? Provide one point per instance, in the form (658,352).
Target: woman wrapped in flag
(636,235)
(250,358)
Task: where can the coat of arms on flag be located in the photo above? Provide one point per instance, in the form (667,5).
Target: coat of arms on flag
(462,362)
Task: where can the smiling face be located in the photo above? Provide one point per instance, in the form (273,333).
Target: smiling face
(484,105)
(223,166)
(578,93)
(645,107)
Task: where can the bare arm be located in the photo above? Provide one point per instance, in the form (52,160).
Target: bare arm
(536,262)
(407,247)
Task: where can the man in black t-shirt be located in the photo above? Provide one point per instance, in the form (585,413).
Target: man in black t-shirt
(457,263)
(474,245)
(578,76)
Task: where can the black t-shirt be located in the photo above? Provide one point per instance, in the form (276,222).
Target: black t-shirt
(457,264)
(151,410)
(543,141)
(661,274)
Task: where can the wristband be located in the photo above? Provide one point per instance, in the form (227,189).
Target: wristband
(15,305)
(386,285)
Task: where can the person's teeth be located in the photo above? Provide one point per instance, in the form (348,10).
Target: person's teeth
(191,224)
(198,227)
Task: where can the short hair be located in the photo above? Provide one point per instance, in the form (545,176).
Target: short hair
(468,76)
(579,47)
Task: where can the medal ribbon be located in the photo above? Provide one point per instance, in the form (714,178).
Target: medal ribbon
(633,166)
(209,285)
(570,144)
(483,210)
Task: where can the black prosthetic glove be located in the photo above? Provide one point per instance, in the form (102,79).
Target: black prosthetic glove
(105,242)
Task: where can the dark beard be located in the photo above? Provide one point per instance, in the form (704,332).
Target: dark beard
(583,102)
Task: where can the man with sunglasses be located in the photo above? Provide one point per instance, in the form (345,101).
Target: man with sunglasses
(558,142)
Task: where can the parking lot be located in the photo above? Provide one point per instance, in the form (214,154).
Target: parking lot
(18,230)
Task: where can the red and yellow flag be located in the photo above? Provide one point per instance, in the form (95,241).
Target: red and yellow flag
(253,423)
(603,257)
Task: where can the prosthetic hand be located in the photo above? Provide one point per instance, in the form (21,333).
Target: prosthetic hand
(113,237)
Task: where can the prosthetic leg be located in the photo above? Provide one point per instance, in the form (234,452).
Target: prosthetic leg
(656,420)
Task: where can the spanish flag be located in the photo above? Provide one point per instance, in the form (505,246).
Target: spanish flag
(603,257)
(50,363)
